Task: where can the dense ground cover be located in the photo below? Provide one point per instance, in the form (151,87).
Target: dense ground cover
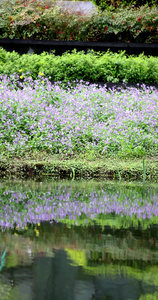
(46,21)
(40,116)
(92,67)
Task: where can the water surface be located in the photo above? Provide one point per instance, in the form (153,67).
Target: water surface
(78,244)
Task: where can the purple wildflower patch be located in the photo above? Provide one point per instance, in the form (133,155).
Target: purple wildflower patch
(44,116)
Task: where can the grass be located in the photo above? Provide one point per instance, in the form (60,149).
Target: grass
(77,167)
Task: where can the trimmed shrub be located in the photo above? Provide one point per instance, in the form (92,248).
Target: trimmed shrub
(91,67)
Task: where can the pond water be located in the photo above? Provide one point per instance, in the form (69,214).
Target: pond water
(78,240)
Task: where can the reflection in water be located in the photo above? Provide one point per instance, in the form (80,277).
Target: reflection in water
(112,206)
(54,277)
(65,260)
(80,264)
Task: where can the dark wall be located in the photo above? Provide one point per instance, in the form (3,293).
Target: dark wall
(29,46)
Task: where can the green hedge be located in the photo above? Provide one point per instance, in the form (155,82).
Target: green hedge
(92,67)
(44,22)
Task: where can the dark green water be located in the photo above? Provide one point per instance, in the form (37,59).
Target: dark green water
(83,253)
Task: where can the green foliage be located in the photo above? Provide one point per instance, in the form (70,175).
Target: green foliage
(149,296)
(92,67)
(115,4)
(39,21)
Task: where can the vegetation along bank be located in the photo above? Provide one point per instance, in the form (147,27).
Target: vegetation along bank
(52,121)
(77,130)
